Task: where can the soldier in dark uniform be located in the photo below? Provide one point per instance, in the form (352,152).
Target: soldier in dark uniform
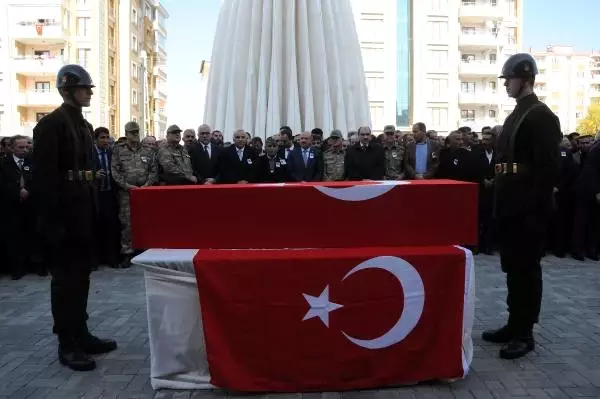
(63,184)
(526,174)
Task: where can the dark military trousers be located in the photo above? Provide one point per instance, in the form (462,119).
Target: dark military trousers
(585,224)
(522,245)
(70,267)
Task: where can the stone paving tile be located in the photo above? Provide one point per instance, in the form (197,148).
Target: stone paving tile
(566,363)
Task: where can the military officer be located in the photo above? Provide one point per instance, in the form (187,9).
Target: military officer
(394,154)
(133,166)
(526,173)
(333,157)
(175,161)
(63,182)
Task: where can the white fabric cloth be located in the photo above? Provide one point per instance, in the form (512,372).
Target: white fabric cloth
(177,349)
(294,62)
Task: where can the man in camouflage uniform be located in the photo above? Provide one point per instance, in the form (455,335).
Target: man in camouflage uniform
(333,158)
(132,166)
(175,161)
(394,154)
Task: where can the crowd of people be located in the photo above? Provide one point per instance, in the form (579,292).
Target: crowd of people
(201,157)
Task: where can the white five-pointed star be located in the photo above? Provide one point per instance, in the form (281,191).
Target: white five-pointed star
(320,306)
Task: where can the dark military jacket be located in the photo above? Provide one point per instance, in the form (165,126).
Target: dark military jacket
(65,200)
(528,194)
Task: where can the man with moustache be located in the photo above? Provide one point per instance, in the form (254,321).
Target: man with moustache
(63,183)
(527,169)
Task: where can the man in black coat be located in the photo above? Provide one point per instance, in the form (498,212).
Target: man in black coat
(364,160)
(205,157)
(526,174)
(64,189)
(271,167)
(15,181)
(238,163)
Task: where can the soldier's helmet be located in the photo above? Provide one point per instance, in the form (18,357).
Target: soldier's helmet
(520,65)
(132,126)
(73,75)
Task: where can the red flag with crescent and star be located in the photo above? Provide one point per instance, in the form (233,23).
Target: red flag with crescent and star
(332,319)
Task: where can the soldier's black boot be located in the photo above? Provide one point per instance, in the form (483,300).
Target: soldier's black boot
(93,345)
(73,356)
(499,336)
(517,347)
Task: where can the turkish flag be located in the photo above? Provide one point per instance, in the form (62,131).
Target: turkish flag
(331,319)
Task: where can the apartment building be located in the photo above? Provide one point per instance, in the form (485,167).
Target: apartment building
(40,36)
(437,61)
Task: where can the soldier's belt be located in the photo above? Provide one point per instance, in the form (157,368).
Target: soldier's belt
(86,176)
(510,168)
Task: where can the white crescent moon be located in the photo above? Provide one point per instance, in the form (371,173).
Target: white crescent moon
(362,192)
(414,300)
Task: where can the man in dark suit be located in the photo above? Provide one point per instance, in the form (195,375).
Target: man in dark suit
(205,156)
(271,167)
(63,188)
(286,142)
(485,164)
(305,163)
(15,180)
(238,163)
(364,160)
(107,225)
(422,157)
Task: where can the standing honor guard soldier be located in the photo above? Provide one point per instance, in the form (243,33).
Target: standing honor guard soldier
(63,182)
(526,173)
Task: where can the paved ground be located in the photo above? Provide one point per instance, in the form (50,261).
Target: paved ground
(566,363)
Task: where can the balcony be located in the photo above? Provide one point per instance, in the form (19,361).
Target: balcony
(483,97)
(39,98)
(596,78)
(477,11)
(37,66)
(482,38)
(158,94)
(595,93)
(479,68)
(41,31)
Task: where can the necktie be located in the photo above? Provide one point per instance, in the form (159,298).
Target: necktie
(240,154)
(106,180)
(21,179)
(206,149)
(305,156)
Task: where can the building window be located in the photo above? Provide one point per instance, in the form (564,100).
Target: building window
(83,26)
(373,58)
(579,115)
(438,5)
(134,18)
(467,87)
(492,113)
(438,117)
(371,30)
(147,11)
(467,115)
(403,60)
(437,60)
(81,2)
(492,86)
(134,97)
(134,70)
(134,44)
(83,56)
(42,86)
(581,74)
(377,115)
(468,58)
(437,88)
(438,31)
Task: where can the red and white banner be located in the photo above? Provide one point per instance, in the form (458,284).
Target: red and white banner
(306,215)
(333,319)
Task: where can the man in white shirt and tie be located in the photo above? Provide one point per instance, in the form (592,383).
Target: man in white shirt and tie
(205,156)
(238,163)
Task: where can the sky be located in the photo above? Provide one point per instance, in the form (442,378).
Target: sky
(191,27)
